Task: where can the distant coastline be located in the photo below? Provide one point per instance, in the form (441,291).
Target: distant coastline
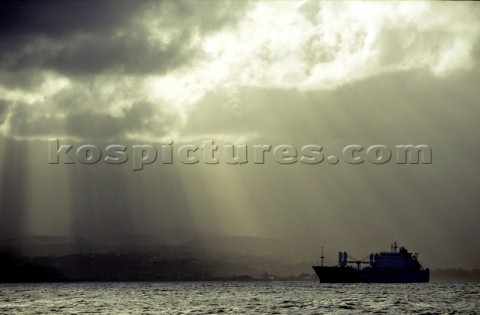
(151,266)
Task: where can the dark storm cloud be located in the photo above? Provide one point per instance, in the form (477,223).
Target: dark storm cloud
(94,45)
(82,37)
(56,19)
(31,31)
(92,54)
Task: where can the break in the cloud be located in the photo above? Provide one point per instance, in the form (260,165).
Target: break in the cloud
(311,46)
(68,65)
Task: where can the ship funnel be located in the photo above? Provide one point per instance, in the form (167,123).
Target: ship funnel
(342,259)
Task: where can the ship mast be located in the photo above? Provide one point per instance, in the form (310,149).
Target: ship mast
(393,247)
(322,258)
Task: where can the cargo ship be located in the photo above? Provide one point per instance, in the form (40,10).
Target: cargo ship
(396,266)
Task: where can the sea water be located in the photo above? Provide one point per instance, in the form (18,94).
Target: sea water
(240,297)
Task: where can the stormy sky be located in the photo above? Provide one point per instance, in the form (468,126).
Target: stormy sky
(245,72)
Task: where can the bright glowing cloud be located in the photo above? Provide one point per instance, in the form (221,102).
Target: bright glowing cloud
(312,46)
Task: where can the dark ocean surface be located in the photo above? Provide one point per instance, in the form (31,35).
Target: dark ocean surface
(240,297)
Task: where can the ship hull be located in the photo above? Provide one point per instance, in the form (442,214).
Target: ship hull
(370,275)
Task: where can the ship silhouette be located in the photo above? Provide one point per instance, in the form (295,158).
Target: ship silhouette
(383,267)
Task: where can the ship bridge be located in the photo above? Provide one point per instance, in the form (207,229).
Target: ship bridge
(401,259)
